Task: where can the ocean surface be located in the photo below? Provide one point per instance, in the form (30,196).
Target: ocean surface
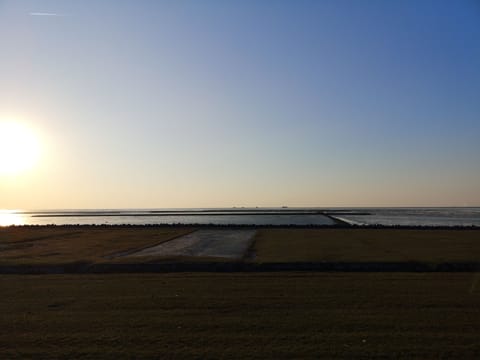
(453,216)
(457,216)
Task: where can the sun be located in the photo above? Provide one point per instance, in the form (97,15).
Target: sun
(19,148)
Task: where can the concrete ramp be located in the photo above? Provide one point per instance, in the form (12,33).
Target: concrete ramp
(227,243)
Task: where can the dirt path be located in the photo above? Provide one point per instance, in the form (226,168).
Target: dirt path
(226,243)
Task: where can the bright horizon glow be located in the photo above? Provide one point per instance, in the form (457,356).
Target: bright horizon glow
(19,148)
(10,217)
(194,104)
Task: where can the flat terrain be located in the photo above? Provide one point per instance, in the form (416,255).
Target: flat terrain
(256,248)
(238,315)
(224,243)
(254,315)
(367,245)
(64,244)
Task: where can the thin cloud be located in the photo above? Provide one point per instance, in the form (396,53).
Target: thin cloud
(45,14)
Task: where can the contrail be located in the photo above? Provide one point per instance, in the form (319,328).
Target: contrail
(44,14)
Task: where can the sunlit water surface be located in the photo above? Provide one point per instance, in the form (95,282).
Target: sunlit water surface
(417,216)
(369,216)
(139,217)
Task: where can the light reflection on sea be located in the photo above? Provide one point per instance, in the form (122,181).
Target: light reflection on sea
(457,216)
(246,216)
(12,217)
(178,219)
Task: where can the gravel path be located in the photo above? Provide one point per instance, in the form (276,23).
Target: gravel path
(232,244)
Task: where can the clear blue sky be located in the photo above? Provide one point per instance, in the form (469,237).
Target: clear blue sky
(254,103)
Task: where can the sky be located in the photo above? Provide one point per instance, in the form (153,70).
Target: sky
(158,104)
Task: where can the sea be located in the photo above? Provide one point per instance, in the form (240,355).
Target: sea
(414,216)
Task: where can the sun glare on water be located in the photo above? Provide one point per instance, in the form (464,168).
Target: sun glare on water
(19,148)
(10,217)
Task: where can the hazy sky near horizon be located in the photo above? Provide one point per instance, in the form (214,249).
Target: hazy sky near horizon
(243,103)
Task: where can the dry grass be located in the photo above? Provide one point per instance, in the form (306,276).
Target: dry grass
(56,245)
(241,315)
(60,245)
(238,316)
(358,245)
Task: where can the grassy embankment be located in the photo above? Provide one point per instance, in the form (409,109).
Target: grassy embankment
(287,315)
(367,245)
(44,246)
(249,315)
(67,244)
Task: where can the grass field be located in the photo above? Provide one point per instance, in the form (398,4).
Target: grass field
(240,315)
(287,315)
(60,245)
(364,245)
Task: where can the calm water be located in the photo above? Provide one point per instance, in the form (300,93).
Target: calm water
(418,216)
(161,216)
(252,216)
